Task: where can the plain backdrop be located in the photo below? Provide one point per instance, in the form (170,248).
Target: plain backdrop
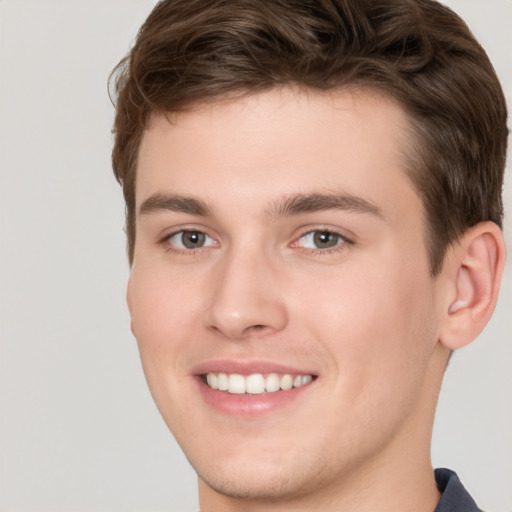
(79,431)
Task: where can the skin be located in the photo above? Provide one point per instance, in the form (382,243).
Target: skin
(364,316)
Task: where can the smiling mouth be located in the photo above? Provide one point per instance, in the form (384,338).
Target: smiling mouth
(256,383)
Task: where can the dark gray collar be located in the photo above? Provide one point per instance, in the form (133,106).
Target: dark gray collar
(455,498)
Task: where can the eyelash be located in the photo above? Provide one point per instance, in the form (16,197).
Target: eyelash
(165,242)
(343,242)
(342,245)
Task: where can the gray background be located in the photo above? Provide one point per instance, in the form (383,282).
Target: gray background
(78,429)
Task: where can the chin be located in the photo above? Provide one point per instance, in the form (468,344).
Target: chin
(277,477)
(255,483)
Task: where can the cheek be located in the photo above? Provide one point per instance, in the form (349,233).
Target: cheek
(158,304)
(376,325)
(160,308)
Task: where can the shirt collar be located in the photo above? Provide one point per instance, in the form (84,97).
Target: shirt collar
(454,497)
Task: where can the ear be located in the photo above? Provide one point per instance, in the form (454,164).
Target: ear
(473,268)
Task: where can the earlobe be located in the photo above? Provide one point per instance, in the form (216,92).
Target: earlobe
(475,270)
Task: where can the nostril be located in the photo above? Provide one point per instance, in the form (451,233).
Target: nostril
(255,328)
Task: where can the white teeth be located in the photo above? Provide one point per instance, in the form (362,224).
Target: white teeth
(273,383)
(212,380)
(222,381)
(256,383)
(286,382)
(236,384)
(305,379)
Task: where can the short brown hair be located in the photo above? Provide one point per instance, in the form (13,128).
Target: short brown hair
(416,51)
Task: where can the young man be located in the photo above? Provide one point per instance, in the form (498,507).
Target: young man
(313,197)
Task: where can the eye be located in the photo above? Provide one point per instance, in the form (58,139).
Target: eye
(189,240)
(321,239)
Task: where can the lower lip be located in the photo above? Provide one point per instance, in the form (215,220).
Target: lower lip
(248,405)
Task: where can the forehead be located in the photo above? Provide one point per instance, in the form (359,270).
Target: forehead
(283,141)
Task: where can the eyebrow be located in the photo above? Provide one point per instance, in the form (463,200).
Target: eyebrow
(174,203)
(298,204)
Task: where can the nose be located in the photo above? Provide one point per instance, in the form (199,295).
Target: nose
(246,299)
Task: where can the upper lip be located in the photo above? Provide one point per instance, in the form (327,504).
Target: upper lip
(247,367)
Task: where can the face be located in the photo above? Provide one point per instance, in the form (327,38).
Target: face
(280,292)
